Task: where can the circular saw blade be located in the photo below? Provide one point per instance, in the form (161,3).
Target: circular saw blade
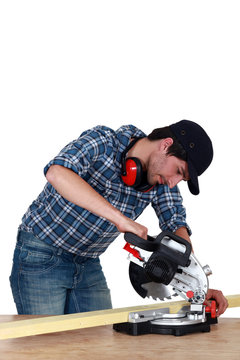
(157,291)
(145,287)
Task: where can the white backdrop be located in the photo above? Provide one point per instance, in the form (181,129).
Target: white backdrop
(70,65)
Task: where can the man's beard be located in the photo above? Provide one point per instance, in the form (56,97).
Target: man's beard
(154,169)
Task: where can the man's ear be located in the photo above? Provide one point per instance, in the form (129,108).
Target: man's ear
(165,144)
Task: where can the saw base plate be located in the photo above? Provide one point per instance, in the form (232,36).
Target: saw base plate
(147,327)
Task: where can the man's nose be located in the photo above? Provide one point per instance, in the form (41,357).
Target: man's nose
(174,180)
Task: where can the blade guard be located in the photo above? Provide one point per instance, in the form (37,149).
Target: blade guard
(137,278)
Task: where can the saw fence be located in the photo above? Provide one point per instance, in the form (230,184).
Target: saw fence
(52,324)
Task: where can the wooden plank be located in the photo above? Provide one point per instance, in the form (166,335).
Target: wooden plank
(233,300)
(76,321)
(51,324)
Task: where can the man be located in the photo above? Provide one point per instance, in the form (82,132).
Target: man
(97,187)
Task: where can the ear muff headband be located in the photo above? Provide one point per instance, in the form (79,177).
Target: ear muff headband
(123,158)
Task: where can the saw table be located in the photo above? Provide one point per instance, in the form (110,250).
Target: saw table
(102,342)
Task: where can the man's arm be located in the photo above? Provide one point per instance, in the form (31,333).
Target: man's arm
(76,190)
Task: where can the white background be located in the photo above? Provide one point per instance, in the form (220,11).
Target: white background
(70,65)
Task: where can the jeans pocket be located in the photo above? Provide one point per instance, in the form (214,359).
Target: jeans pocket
(35,260)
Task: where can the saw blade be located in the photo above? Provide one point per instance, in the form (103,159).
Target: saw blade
(157,291)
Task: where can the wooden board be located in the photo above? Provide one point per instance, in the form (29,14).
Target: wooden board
(103,343)
(59,323)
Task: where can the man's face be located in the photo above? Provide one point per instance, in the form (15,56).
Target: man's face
(166,169)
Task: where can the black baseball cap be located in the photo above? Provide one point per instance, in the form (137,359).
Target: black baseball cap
(198,147)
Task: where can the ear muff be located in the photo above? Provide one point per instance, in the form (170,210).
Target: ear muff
(132,173)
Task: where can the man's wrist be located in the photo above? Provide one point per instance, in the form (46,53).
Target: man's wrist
(117,218)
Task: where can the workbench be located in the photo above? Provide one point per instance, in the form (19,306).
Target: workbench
(102,342)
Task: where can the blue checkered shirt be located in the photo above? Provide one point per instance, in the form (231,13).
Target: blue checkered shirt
(96,157)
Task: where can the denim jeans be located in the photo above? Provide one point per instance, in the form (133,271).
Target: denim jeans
(49,280)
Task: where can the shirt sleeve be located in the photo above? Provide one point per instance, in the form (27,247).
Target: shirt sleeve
(80,154)
(169,209)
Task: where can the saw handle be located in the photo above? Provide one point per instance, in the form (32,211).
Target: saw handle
(156,244)
(148,245)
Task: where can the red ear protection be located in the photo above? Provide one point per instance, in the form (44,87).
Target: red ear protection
(132,172)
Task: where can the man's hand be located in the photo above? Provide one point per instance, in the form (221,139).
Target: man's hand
(124,224)
(221,301)
(183,233)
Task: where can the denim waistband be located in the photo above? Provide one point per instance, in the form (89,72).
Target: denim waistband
(29,238)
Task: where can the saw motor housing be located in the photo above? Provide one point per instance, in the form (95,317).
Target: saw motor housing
(164,261)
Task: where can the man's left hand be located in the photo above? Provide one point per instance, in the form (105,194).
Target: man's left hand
(220,299)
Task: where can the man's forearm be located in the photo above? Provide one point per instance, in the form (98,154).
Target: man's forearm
(73,188)
(76,190)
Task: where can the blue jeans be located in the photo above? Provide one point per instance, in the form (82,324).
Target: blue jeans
(48,280)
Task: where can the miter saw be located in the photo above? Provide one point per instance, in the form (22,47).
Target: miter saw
(163,267)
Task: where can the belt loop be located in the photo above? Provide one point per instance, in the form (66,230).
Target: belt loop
(20,238)
(59,251)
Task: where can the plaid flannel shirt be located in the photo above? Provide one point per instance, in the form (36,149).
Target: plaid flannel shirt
(96,157)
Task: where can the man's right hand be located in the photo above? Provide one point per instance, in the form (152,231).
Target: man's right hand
(124,224)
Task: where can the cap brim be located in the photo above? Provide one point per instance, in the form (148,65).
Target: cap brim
(193,182)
